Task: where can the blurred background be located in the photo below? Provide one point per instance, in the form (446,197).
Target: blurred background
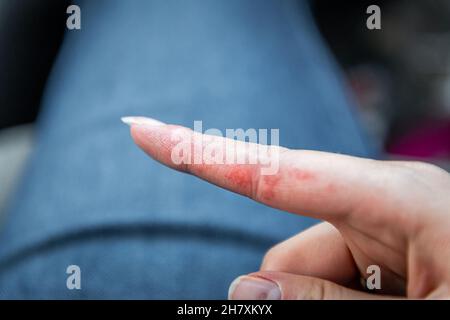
(399,76)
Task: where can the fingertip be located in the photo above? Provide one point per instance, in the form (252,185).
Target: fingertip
(144,121)
(253,288)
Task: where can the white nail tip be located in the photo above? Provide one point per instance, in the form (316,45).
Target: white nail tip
(143,121)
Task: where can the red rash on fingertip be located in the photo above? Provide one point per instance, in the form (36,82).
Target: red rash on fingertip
(303,175)
(270,182)
(240,177)
(330,188)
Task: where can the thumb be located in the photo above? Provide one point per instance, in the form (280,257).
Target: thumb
(286,286)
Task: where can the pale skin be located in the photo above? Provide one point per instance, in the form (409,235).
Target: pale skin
(393,214)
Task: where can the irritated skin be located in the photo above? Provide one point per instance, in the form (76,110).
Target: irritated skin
(392,214)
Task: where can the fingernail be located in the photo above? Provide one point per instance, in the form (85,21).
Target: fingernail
(141,121)
(252,288)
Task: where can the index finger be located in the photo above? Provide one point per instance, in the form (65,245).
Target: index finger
(316,184)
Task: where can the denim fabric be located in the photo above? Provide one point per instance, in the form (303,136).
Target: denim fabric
(90,197)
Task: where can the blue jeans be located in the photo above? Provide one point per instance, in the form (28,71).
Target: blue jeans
(136,229)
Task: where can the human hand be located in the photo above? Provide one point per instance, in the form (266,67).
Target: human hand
(392,214)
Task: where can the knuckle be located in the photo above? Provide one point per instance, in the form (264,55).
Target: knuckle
(323,290)
(311,289)
(318,290)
